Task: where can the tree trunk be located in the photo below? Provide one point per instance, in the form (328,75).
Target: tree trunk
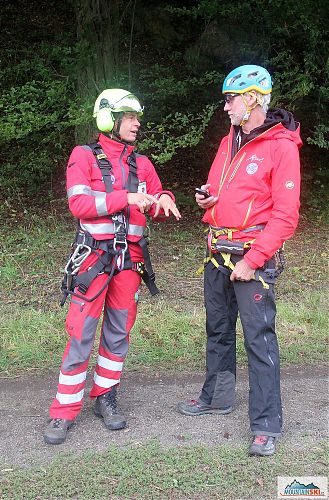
(98,34)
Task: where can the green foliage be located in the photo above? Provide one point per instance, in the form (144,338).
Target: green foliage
(287,37)
(320,137)
(178,108)
(35,128)
(41,113)
(175,131)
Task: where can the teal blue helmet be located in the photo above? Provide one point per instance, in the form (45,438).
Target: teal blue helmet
(246,78)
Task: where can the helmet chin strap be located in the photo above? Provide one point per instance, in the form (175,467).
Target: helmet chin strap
(117,126)
(115,133)
(246,116)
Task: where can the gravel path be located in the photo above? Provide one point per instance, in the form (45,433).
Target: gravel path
(149,402)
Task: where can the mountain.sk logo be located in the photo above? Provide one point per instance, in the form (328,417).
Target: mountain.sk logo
(303,487)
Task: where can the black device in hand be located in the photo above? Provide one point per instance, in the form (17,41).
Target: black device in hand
(205,194)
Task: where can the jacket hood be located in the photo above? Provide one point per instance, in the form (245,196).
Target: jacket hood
(281,116)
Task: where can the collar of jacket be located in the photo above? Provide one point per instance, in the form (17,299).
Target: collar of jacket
(114,147)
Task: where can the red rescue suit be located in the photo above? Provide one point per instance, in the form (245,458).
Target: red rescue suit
(93,206)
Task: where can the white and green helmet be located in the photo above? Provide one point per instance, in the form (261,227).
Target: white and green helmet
(112,101)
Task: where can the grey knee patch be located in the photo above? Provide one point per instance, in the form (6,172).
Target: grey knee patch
(80,349)
(115,335)
(224,393)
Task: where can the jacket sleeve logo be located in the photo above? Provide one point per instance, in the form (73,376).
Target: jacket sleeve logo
(289,184)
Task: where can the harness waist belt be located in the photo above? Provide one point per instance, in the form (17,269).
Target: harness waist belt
(227,230)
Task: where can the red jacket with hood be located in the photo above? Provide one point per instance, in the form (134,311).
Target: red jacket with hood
(89,202)
(259,184)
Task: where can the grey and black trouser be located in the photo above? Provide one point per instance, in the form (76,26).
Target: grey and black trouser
(224,299)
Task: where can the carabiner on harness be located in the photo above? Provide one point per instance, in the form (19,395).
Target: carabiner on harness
(120,244)
(79,255)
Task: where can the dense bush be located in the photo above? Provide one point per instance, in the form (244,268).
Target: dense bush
(194,44)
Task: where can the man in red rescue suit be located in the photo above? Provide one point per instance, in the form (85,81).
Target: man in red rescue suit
(251,204)
(110,188)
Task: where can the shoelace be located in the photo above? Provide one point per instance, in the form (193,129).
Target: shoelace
(57,422)
(111,402)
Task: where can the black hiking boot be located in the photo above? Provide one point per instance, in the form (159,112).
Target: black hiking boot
(196,407)
(56,430)
(262,446)
(106,408)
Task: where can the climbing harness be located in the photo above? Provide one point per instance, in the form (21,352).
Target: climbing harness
(113,254)
(230,251)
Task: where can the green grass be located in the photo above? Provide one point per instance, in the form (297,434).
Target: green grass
(30,339)
(169,327)
(164,334)
(149,471)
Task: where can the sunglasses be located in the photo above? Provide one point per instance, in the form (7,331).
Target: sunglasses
(228,98)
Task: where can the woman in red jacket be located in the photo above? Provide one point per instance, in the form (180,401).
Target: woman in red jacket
(109,188)
(251,204)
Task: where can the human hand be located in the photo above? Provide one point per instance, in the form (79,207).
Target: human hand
(168,205)
(142,200)
(242,272)
(205,202)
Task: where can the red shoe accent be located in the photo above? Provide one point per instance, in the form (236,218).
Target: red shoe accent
(260,440)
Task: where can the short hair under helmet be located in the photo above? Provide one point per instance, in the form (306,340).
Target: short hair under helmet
(248,77)
(114,101)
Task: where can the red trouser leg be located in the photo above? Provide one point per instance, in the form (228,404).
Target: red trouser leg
(81,325)
(119,317)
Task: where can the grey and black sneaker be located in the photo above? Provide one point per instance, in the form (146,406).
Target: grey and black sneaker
(106,407)
(196,407)
(56,430)
(262,446)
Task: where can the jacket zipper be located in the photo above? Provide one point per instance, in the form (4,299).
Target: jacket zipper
(122,167)
(248,213)
(223,177)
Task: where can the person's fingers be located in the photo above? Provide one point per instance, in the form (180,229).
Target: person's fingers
(150,198)
(176,212)
(166,211)
(157,210)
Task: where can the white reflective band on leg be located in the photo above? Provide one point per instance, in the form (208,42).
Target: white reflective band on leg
(72,379)
(109,364)
(67,399)
(105,382)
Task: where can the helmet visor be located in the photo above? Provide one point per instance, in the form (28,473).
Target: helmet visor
(128,103)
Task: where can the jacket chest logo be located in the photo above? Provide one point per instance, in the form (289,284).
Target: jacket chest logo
(251,168)
(255,158)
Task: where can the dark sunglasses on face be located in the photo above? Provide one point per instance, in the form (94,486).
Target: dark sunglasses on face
(228,98)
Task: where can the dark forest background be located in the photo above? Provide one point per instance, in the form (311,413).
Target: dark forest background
(57,56)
